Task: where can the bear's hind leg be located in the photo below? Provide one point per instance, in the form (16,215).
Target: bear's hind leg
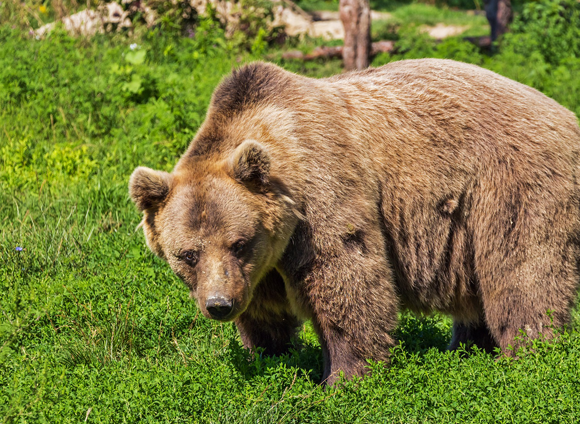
(476,333)
(268,322)
(512,309)
(520,288)
(525,228)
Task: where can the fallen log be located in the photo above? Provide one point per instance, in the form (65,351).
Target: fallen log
(326,52)
(384,46)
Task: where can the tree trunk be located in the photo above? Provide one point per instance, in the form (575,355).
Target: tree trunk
(356,18)
(499,15)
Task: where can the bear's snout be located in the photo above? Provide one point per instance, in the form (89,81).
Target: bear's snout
(219,307)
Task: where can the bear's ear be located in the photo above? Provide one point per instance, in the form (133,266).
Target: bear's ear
(148,187)
(250,163)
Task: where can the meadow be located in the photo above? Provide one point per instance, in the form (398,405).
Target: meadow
(94,328)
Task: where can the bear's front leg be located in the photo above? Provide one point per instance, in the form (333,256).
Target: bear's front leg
(352,300)
(268,322)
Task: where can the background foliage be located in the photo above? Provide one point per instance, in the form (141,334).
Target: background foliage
(93,327)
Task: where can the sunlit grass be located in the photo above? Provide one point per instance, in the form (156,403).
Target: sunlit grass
(94,327)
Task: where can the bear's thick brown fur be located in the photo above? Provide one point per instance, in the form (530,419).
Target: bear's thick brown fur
(423,184)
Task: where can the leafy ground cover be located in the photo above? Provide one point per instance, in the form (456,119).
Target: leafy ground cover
(406,15)
(94,328)
(410,17)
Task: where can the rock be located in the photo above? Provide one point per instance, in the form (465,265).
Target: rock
(294,22)
(90,22)
(329,30)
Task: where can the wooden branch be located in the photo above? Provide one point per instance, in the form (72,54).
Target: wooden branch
(325,52)
(383,46)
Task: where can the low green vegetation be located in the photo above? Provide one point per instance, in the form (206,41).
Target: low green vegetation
(404,15)
(94,328)
(391,5)
(420,16)
(424,14)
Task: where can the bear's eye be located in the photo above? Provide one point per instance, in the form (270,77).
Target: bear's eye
(190,257)
(239,247)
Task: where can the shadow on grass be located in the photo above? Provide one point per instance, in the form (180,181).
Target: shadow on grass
(306,358)
(417,334)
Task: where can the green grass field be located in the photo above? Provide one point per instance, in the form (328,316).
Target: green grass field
(94,328)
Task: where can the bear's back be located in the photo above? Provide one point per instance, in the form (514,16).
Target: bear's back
(486,91)
(428,102)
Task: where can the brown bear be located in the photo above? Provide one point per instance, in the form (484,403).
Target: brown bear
(425,184)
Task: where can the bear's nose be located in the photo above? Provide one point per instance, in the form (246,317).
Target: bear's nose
(219,307)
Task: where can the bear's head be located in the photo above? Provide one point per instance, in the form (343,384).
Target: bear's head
(221,224)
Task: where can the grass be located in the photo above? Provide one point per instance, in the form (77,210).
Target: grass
(417,15)
(413,14)
(312,5)
(94,328)
(424,14)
